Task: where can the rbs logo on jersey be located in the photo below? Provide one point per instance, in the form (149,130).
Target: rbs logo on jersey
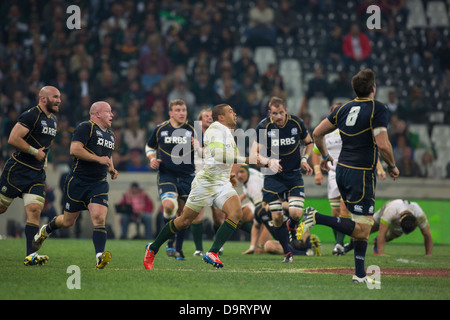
(105,143)
(283,142)
(175,140)
(50,131)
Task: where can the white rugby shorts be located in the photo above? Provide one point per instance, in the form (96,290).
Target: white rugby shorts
(206,193)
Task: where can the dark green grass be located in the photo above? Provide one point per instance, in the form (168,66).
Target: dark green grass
(250,277)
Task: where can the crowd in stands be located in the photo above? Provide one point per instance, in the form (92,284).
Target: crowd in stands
(138,55)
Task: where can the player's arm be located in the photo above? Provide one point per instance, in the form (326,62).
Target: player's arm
(16,139)
(381,238)
(151,156)
(220,154)
(319,133)
(262,161)
(307,153)
(78,151)
(318,176)
(385,149)
(428,240)
(254,237)
(112,170)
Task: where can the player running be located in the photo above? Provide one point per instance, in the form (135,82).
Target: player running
(279,138)
(210,186)
(170,150)
(86,186)
(24,172)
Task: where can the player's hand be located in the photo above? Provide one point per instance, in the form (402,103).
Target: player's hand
(41,154)
(381,174)
(308,170)
(394,173)
(324,163)
(154,163)
(106,161)
(319,179)
(233,180)
(195,144)
(249,251)
(275,166)
(114,174)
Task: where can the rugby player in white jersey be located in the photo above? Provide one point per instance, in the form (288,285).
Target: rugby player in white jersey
(211,185)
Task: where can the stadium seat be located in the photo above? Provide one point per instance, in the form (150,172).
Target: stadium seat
(383,92)
(318,108)
(416,17)
(293,105)
(289,65)
(437,14)
(422,131)
(440,136)
(263,56)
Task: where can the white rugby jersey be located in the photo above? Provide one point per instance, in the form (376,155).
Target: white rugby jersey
(253,187)
(389,214)
(333,142)
(218,136)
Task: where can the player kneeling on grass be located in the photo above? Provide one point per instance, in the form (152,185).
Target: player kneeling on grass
(211,185)
(395,218)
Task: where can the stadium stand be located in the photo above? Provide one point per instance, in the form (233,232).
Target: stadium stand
(124,48)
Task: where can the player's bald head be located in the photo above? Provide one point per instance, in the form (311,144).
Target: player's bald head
(48,91)
(98,106)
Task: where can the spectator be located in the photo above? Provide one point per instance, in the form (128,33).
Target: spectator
(427,50)
(317,87)
(261,30)
(429,167)
(61,153)
(392,102)
(341,87)
(407,166)
(134,136)
(142,207)
(80,58)
(415,107)
(137,162)
(356,47)
(333,46)
(203,89)
(286,20)
(202,40)
(121,153)
(19,102)
(271,78)
(181,91)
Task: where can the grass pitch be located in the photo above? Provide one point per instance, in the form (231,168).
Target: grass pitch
(249,277)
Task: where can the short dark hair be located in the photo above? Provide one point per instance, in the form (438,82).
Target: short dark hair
(176,102)
(363,83)
(408,222)
(277,102)
(218,110)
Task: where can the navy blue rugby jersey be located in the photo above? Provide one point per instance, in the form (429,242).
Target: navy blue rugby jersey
(42,132)
(282,142)
(265,217)
(97,141)
(174,147)
(356,121)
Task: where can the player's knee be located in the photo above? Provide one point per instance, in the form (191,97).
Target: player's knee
(296,207)
(275,206)
(5,202)
(170,204)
